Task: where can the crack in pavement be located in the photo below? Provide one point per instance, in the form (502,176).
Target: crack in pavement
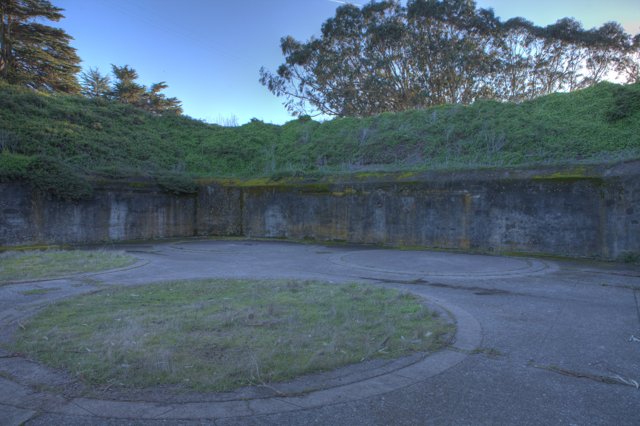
(620,274)
(417,281)
(479,291)
(622,286)
(83,409)
(610,380)
(164,413)
(489,353)
(635,297)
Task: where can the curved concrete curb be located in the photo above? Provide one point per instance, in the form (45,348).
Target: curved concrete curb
(468,337)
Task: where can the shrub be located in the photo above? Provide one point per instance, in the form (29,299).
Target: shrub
(8,141)
(14,167)
(177,183)
(57,178)
(626,102)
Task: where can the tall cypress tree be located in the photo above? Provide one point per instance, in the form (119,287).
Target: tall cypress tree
(125,88)
(33,54)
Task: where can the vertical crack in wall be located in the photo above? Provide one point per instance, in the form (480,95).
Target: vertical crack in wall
(635,297)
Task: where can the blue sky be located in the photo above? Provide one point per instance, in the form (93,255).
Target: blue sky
(210,51)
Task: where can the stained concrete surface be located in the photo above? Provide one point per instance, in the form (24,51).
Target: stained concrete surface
(539,342)
(590,211)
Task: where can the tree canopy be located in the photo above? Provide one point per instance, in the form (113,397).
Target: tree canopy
(127,90)
(33,54)
(94,84)
(388,57)
(40,57)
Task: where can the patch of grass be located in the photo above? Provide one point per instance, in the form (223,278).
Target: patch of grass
(26,265)
(39,291)
(217,335)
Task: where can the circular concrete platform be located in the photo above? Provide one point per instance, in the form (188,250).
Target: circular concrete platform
(349,383)
(552,341)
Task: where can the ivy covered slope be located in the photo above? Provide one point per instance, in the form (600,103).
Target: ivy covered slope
(61,143)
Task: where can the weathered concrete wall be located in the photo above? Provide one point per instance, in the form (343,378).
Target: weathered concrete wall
(524,216)
(620,209)
(591,212)
(219,211)
(115,214)
(582,213)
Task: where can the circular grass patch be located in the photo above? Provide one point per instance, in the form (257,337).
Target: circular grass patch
(217,335)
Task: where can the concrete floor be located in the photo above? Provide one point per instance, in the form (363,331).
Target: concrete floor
(539,342)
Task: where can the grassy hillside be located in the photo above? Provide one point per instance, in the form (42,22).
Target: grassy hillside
(59,143)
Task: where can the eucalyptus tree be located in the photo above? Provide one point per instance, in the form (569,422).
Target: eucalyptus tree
(516,52)
(388,57)
(453,49)
(632,62)
(610,49)
(357,67)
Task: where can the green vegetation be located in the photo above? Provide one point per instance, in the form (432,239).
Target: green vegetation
(61,142)
(216,335)
(50,264)
(416,55)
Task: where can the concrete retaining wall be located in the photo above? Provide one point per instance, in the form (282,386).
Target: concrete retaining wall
(583,212)
(31,218)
